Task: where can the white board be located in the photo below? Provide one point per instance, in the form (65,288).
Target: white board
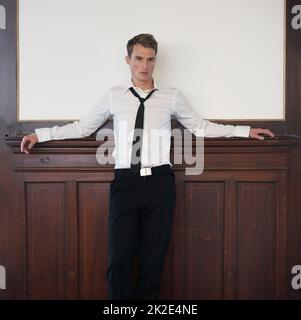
(226,56)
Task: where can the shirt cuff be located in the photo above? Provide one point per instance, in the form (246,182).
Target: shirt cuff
(242,131)
(43,134)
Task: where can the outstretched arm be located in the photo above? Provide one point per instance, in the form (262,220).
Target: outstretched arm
(193,121)
(76,129)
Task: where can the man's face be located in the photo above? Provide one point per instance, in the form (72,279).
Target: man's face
(142,63)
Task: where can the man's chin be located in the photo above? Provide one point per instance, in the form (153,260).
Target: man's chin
(146,78)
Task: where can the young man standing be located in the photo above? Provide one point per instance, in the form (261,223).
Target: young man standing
(142,194)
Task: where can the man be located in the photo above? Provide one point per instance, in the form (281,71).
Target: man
(142,195)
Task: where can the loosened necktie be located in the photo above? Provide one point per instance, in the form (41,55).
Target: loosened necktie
(138,132)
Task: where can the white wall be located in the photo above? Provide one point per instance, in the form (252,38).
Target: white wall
(226,56)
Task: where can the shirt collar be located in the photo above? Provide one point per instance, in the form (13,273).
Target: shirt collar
(131,84)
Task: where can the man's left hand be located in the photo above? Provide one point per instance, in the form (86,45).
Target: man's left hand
(258,132)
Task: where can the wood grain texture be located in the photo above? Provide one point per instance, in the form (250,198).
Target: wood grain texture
(229,232)
(293,116)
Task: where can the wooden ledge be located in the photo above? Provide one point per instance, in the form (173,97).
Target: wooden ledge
(212,145)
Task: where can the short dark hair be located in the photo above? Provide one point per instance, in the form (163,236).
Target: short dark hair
(145,39)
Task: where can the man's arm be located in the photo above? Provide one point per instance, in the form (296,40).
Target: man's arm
(192,121)
(76,129)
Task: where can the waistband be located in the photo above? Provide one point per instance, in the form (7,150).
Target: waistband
(148,171)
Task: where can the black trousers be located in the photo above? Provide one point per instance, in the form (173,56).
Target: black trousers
(140,221)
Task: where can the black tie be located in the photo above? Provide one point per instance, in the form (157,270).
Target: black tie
(137,141)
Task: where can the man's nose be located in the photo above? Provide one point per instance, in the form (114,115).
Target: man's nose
(145,64)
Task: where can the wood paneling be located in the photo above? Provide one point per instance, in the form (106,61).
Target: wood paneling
(225,159)
(93,221)
(45,227)
(7,126)
(256,240)
(228,237)
(203,240)
(293,122)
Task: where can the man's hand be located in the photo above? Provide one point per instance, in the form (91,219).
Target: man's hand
(257,133)
(28,142)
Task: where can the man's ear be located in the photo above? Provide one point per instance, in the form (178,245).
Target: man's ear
(127,60)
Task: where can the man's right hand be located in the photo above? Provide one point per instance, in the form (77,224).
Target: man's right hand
(28,142)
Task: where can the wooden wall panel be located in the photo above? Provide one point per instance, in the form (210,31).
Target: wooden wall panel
(7,126)
(210,245)
(204,240)
(93,255)
(46,240)
(256,240)
(293,122)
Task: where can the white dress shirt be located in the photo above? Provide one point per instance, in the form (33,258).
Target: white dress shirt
(122,105)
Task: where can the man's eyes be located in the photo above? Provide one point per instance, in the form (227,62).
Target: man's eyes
(150,59)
